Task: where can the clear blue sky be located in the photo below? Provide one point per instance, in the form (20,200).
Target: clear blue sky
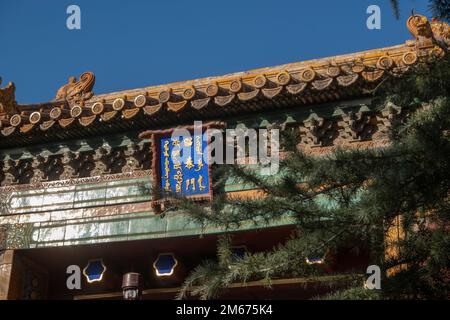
(136,43)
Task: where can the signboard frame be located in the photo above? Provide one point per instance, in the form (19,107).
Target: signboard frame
(155,137)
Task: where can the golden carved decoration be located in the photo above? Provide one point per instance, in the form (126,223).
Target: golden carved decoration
(118,104)
(47,125)
(35,117)
(283,78)
(108,115)
(176,106)
(26,128)
(130,113)
(76,92)
(307,75)
(428,34)
(212,90)
(200,103)
(140,101)
(224,100)
(419,26)
(86,121)
(441,32)
(55,113)
(15,120)
(260,81)
(188,93)
(8,131)
(164,96)
(322,84)
(77,181)
(358,67)
(333,71)
(437,52)
(245,96)
(409,58)
(8,102)
(271,92)
(385,62)
(66,122)
(151,110)
(76,111)
(347,80)
(296,88)
(372,76)
(97,108)
(235,86)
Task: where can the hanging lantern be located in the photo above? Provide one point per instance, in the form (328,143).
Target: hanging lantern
(132,286)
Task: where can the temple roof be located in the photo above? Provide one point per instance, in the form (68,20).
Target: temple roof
(77,112)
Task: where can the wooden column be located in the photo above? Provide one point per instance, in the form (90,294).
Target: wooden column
(6,266)
(21,278)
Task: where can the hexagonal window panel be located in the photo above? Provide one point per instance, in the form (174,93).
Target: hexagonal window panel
(94,270)
(165,264)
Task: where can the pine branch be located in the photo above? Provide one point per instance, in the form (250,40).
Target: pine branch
(350,198)
(395,8)
(440,9)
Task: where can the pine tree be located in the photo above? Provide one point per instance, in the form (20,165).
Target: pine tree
(395,8)
(438,8)
(366,193)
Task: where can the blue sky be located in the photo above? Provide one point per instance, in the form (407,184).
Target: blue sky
(137,43)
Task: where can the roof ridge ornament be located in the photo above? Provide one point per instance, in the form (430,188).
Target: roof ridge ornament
(429,33)
(8,104)
(77,92)
(441,32)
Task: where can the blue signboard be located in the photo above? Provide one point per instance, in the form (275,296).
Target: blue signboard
(184,171)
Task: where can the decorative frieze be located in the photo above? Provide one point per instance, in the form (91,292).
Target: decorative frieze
(316,131)
(70,165)
(102,161)
(357,126)
(74,182)
(390,115)
(344,127)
